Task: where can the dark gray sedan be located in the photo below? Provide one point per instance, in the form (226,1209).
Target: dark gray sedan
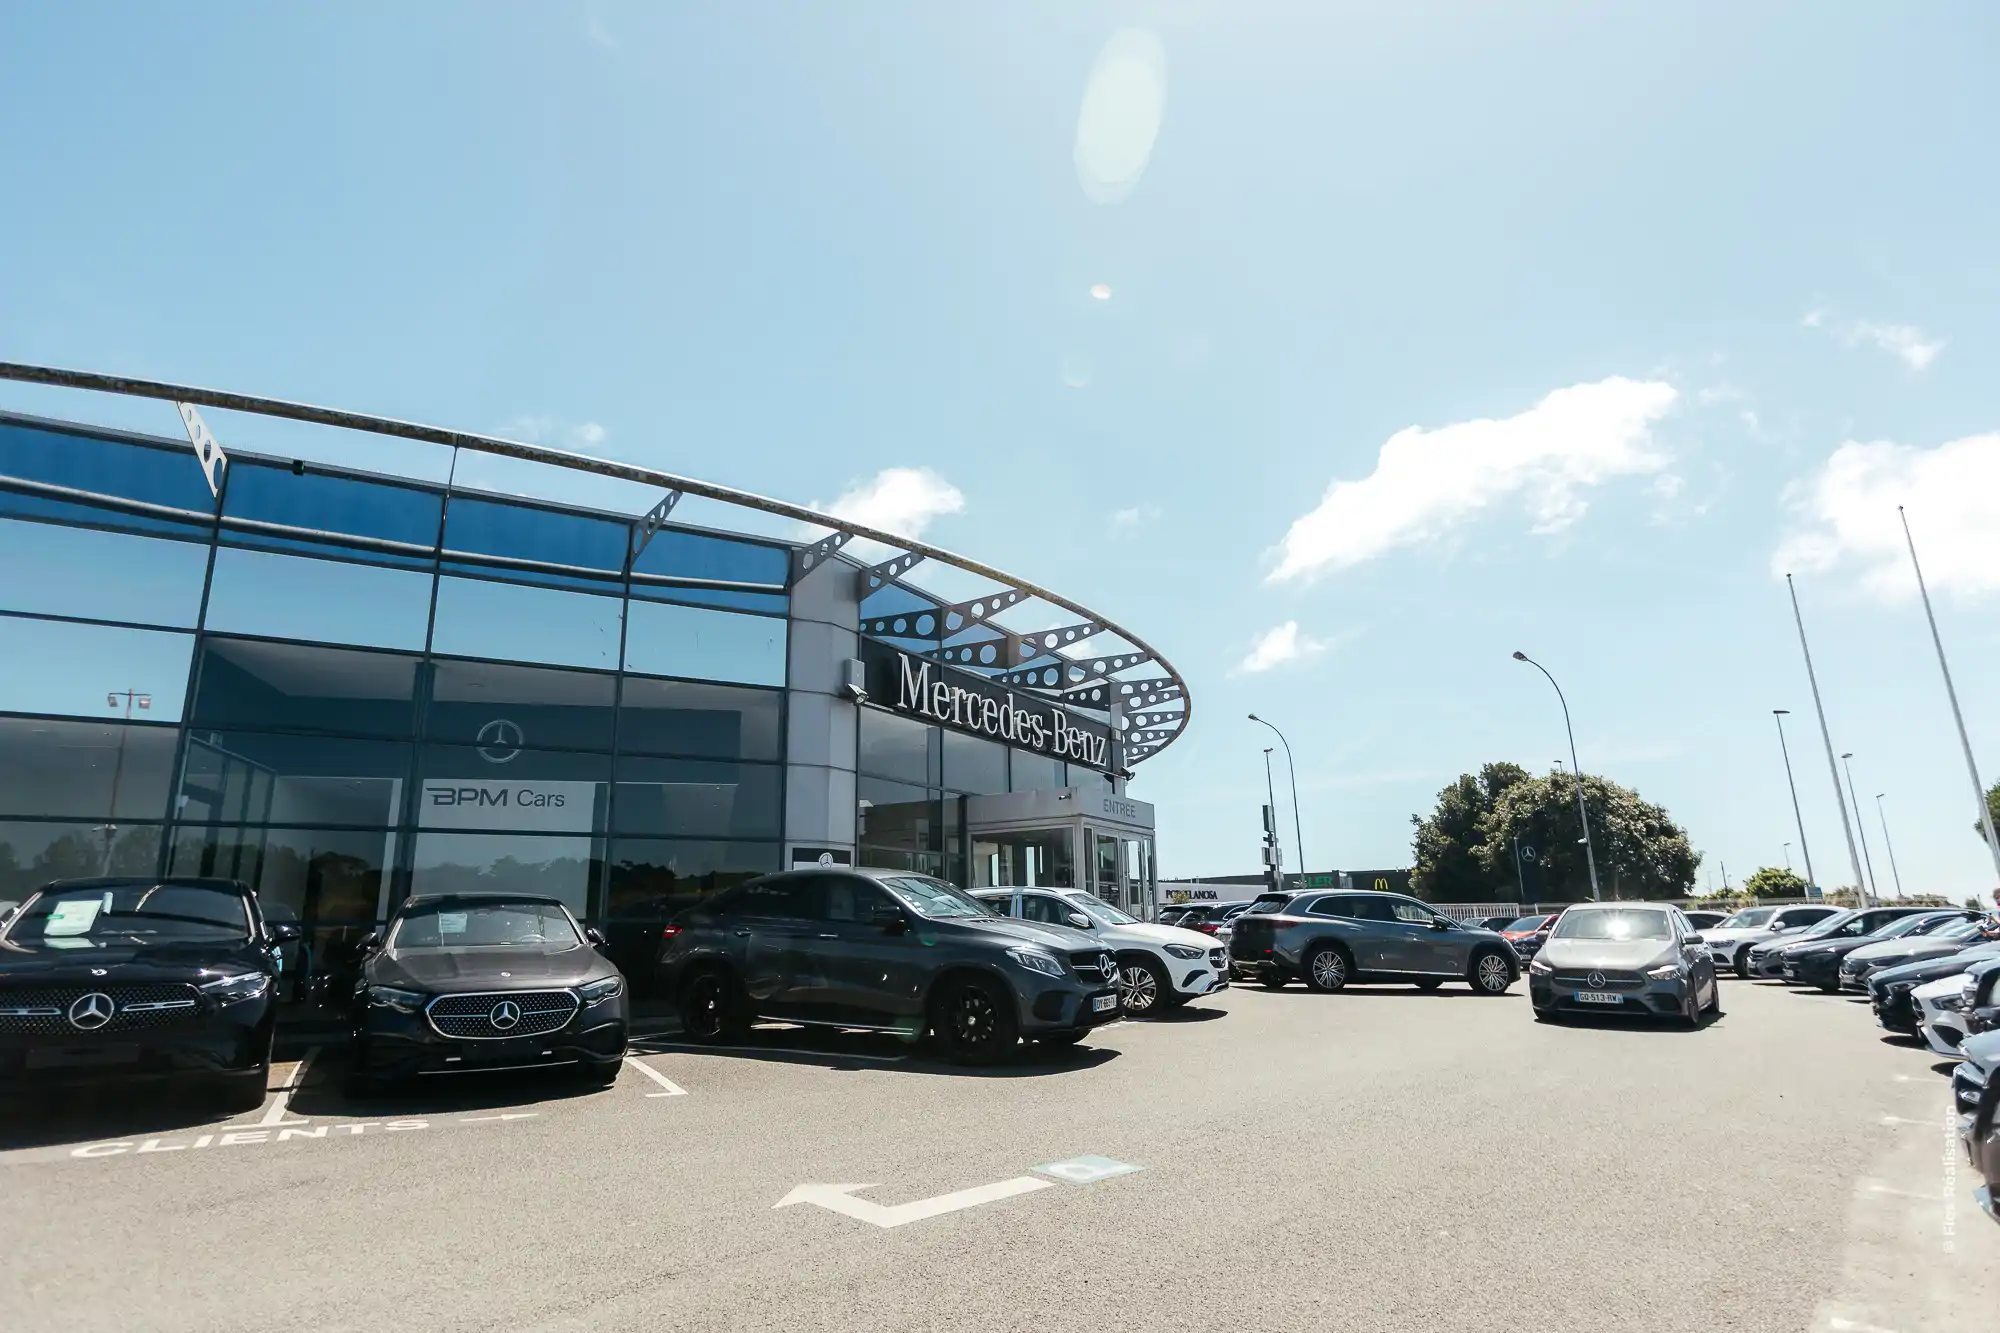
(1624,958)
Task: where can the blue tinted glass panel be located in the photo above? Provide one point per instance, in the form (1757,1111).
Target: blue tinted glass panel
(508,707)
(490,527)
(330,601)
(692,641)
(607,583)
(333,504)
(696,555)
(275,778)
(108,467)
(65,571)
(770,603)
(71,769)
(50,666)
(292,687)
(16,504)
(712,721)
(697,798)
(477,618)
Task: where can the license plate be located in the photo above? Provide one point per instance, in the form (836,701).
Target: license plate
(1598,997)
(1104,1003)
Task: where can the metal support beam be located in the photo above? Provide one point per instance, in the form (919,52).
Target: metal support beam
(649,523)
(805,559)
(879,576)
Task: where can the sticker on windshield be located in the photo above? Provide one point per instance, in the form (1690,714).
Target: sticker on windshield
(451,923)
(73,916)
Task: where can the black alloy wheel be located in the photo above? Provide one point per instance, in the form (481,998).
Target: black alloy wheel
(1327,968)
(1714,1009)
(975,1022)
(1490,974)
(709,1009)
(1273,979)
(1743,962)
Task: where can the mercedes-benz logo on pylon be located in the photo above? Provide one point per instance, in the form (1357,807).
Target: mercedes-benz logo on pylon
(91,1012)
(1596,980)
(500,741)
(504,1015)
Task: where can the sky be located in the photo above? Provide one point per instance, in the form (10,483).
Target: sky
(1338,349)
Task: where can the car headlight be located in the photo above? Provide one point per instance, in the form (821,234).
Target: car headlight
(597,992)
(1664,972)
(1540,968)
(1956,1003)
(1897,990)
(236,987)
(1036,961)
(402,1001)
(1186,951)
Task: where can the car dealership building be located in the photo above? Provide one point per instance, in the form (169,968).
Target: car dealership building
(232,652)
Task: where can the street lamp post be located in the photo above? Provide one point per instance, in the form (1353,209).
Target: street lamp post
(1271,796)
(1788,858)
(1779,715)
(1576,771)
(109,829)
(1869,890)
(1879,814)
(1298,828)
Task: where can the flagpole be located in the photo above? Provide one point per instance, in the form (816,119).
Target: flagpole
(1832,764)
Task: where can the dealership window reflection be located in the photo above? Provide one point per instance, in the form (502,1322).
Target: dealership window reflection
(1038,858)
(558,867)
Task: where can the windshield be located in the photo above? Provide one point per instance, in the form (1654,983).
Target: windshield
(1828,926)
(936,899)
(1911,925)
(83,918)
(1265,906)
(1104,912)
(1745,920)
(1525,923)
(1615,923)
(498,925)
(1955,930)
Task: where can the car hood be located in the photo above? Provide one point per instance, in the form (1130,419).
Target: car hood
(488,968)
(40,964)
(1143,933)
(1887,953)
(1982,1050)
(1736,934)
(1009,930)
(1823,946)
(1629,955)
(1931,990)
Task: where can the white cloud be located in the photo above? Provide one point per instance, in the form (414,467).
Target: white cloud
(1120,117)
(1848,516)
(1426,481)
(554,433)
(1915,348)
(1277,646)
(1134,516)
(902,500)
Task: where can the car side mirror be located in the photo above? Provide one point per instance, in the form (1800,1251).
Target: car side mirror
(890,919)
(282,933)
(1440,923)
(595,936)
(1078,920)
(369,942)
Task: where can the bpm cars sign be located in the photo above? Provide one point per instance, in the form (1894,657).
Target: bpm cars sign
(514,807)
(969,703)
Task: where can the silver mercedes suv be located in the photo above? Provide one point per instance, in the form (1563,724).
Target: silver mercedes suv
(1329,939)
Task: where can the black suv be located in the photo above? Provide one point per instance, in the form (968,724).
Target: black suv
(887,951)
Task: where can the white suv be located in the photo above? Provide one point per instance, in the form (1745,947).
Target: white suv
(1161,967)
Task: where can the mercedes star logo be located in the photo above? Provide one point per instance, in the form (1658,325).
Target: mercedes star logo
(504,1015)
(1596,980)
(500,741)
(91,1012)
(1108,966)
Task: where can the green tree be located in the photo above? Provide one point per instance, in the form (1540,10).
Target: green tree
(1992,809)
(1446,846)
(1771,882)
(1641,852)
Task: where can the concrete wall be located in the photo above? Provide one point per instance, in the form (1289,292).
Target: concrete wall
(821,718)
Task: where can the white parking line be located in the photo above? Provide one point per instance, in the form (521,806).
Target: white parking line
(275,1115)
(673,1089)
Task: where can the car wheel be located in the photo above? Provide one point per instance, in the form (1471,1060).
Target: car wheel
(1742,964)
(1327,968)
(1548,1015)
(599,1074)
(1714,998)
(1272,979)
(711,1009)
(974,1021)
(1430,983)
(1141,986)
(1489,974)
(238,1093)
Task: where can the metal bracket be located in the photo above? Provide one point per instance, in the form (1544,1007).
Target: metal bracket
(643,530)
(1046,642)
(978,610)
(206,451)
(805,559)
(888,571)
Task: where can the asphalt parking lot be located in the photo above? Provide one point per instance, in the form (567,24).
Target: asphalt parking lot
(1380,1160)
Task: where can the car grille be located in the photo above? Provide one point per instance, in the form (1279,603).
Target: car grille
(45,1011)
(1093,966)
(1610,980)
(486,1015)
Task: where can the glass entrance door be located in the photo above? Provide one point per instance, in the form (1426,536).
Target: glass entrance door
(1120,870)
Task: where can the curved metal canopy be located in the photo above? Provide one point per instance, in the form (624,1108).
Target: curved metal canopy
(1092,663)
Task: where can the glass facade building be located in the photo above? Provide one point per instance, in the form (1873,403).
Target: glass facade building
(344,688)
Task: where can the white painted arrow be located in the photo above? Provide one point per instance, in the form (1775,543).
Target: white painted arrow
(840,1199)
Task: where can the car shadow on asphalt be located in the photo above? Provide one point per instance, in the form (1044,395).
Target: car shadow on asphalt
(1908,1041)
(1635,1023)
(1449,991)
(1187,1014)
(844,1049)
(44,1118)
(324,1094)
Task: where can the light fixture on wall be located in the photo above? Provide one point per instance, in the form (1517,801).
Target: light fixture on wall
(853,678)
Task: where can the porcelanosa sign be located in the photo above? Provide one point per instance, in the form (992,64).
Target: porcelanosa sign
(965,702)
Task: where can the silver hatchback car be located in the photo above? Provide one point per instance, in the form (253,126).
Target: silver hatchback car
(1330,939)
